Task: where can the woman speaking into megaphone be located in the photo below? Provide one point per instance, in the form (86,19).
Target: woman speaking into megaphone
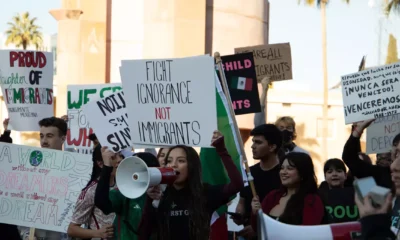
(186,207)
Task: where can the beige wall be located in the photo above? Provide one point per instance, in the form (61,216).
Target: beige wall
(126,34)
(306,109)
(237,23)
(179,28)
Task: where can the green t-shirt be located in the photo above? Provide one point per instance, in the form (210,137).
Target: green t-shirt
(131,213)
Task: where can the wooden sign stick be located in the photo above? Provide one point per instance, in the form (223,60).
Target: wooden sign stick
(31,234)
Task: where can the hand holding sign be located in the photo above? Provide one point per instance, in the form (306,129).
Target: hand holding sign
(361,126)
(365,207)
(5,123)
(108,156)
(255,204)
(216,135)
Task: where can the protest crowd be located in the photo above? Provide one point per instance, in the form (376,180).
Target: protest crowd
(92,194)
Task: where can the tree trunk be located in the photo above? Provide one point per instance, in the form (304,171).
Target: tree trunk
(325,73)
(24,45)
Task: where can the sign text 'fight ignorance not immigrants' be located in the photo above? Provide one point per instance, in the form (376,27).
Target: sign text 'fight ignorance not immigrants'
(171,100)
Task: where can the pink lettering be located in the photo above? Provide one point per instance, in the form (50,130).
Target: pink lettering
(29,182)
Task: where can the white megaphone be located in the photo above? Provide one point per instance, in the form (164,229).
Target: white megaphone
(270,229)
(134,177)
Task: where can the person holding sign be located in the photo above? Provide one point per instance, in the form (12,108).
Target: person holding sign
(297,202)
(186,207)
(53,132)
(85,211)
(337,197)
(358,167)
(8,231)
(128,211)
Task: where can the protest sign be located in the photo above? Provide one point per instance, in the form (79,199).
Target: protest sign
(372,93)
(242,82)
(109,120)
(78,124)
(381,132)
(170,101)
(39,187)
(340,205)
(272,60)
(26,79)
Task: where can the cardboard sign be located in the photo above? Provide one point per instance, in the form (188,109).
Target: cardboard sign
(372,93)
(171,101)
(26,79)
(381,133)
(109,120)
(39,187)
(272,60)
(242,82)
(78,124)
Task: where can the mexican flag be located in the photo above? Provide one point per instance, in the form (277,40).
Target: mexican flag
(242,83)
(212,167)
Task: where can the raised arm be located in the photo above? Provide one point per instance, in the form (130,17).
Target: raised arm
(5,137)
(236,183)
(259,117)
(358,167)
(102,198)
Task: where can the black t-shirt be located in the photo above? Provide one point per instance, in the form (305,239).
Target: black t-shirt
(396,213)
(178,205)
(339,204)
(264,182)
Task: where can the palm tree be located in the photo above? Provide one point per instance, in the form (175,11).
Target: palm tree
(393,5)
(322,5)
(24,32)
(392,50)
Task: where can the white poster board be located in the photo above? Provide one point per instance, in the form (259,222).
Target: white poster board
(39,187)
(170,101)
(26,79)
(109,120)
(381,133)
(78,124)
(372,93)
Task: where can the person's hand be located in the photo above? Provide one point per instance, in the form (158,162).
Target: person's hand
(237,221)
(155,192)
(255,204)
(108,156)
(5,123)
(361,126)
(365,208)
(64,117)
(265,83)
(247,232)
(216,135)
(105,232)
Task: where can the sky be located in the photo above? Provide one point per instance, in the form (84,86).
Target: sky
(352,32)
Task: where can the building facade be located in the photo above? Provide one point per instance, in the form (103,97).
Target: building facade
(95,35)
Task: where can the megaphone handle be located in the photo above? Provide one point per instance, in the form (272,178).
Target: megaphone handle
(156,203)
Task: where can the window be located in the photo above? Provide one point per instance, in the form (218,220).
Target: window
(331,128)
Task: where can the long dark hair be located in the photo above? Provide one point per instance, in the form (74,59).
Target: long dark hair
(199,217)
(293,213)
(96,170)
